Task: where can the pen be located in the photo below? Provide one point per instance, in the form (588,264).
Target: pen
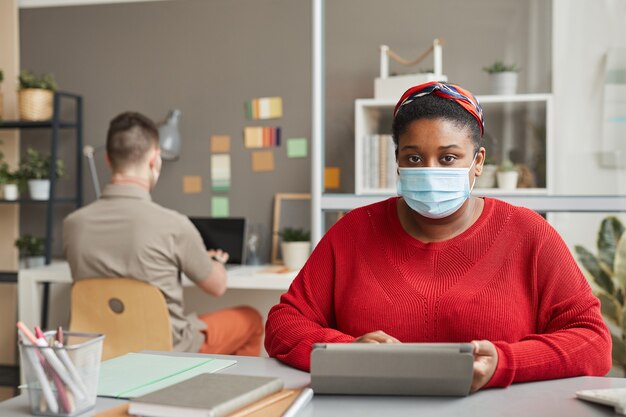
(303,399)
(63,397)
(65,358)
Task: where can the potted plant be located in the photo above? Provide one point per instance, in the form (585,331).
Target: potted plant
(295,247)
(487,178)
(35,95)
(502,77)
(31,250)
(8,180)
(507,175)
(607,271)
(35,168)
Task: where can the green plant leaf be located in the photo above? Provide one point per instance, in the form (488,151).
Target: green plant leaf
(619,264)
(591,264)
(619,350)
(610,308)
(611,229)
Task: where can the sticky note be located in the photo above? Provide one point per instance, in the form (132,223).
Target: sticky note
(261,137)
(331,178)
(192,184)
(219,206)
(220,144)
(262,161)
(297,148)
(220,172)
(264,108)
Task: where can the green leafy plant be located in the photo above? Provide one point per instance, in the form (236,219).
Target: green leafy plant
(506,166)
(6,176)
(500,66)
(290,234)
(608,271)
(30,245)
(29,79)
(35,166)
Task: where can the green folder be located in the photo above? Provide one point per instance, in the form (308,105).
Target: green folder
(136,374)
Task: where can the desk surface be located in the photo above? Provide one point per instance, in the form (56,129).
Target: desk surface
(535,399)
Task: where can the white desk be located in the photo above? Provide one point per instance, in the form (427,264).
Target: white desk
(29,298)
(535,399)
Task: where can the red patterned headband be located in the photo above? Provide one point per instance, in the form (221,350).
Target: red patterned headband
(445,90)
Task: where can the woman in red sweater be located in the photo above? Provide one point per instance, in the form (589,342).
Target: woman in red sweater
(439,265)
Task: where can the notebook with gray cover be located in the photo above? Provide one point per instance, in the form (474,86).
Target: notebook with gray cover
(392,369)
(205,395)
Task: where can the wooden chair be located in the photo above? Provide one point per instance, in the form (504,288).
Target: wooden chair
(132,314)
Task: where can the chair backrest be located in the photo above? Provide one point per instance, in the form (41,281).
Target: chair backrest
(132,314)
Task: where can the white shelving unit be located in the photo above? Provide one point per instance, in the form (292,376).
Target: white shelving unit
(374,117)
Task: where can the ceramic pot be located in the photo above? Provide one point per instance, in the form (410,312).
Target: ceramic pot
(503,82)
(507,180)
(295,254)
(39,189)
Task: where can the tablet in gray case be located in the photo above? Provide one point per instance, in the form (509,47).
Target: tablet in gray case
(392,369)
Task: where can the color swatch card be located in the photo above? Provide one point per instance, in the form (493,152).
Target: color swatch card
(220,144)
(331,178)
(264,108)
(262,161)
(220,207)
(220,173)
(192,184)
(261,137)
(297,148)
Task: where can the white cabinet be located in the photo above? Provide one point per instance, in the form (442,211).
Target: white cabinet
(517,127)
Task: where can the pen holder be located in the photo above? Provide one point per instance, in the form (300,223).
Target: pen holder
(62,380)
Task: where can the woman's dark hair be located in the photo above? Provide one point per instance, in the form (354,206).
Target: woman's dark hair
(435,107)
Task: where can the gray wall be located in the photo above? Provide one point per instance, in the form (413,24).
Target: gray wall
(207,57)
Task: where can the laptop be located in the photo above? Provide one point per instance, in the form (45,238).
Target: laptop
(434,369)
(227,233)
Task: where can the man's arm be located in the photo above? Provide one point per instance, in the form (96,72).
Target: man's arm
(215,282)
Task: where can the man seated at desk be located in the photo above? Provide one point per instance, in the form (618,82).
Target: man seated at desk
(125,234)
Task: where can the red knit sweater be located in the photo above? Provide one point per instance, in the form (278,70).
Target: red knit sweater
(509,279)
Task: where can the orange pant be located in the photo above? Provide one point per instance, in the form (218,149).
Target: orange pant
(233,331)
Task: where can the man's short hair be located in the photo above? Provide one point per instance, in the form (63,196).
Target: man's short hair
(130,137)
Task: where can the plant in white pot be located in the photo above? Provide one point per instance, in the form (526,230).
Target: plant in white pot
(35,95)
(487,177)
(31,250)
(35,168)
(502,77)
(8,181)
(507,175)
(295,247)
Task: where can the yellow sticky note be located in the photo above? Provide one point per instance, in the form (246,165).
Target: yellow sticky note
(253,137)
(331,178)
(192,184)
(220,144)
(262,161)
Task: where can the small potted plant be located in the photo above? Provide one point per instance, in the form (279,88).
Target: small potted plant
(35,168)
(487,178)
(31,250)
(502,77)
(36,93)
(8,181)
(507,175)
(295,247)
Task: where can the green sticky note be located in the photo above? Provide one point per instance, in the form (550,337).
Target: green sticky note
(297,148)
(219,207)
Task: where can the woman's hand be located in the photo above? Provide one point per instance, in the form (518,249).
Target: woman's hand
(376,337)
(485,363)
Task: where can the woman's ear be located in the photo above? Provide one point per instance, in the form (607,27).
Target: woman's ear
(480,162)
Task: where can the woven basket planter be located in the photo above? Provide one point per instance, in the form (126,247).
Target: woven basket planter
(35,104)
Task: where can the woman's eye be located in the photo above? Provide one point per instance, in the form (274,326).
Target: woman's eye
(449,159)
(414,159)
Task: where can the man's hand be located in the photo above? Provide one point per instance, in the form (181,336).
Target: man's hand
(485,363)
(376,337)
(218,255)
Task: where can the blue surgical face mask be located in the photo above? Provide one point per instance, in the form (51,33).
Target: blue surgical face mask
(435,192)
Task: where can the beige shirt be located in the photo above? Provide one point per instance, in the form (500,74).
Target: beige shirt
(125,234)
